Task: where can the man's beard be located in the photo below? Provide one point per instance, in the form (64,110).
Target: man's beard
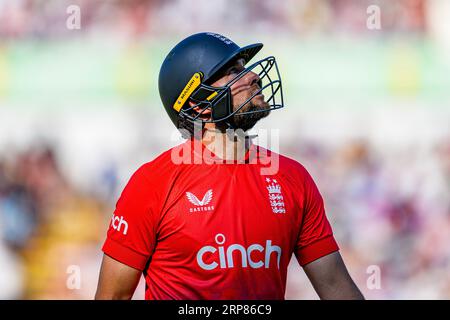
(248,121)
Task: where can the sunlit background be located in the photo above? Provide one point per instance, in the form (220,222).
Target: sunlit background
(367,113)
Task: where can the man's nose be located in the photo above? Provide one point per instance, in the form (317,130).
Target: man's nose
(252,78)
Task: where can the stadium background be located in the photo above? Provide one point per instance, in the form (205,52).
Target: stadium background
(367,112)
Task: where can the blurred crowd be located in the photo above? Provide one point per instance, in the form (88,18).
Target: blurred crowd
(389,210)
(146,18)
(46,226)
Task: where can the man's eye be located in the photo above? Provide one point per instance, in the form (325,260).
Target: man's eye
(233,71)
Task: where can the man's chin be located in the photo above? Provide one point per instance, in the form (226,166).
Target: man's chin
(248,121)
(261,107)
(259,101)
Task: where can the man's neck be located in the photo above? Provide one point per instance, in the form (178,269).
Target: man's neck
(226,145)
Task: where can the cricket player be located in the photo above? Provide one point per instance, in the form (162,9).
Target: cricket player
(219,217)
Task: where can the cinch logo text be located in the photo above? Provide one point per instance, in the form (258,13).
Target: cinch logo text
(224,258)
(119,223)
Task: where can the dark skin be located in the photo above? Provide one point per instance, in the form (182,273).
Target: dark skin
(331,280)
(328,274)
(117,281)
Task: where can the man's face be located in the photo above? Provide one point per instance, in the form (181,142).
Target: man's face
(242,90)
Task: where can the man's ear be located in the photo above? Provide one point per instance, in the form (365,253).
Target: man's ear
(205,115)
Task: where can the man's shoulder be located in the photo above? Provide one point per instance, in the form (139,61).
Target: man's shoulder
(161,166)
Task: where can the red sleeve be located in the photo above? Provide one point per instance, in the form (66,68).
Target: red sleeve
(131,235)
(315,238)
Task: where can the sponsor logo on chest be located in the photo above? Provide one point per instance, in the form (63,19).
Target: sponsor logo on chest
(223,256)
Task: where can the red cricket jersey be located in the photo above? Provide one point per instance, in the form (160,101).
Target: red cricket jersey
(218,231)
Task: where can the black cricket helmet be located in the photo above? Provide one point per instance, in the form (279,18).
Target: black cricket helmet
(196,62)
